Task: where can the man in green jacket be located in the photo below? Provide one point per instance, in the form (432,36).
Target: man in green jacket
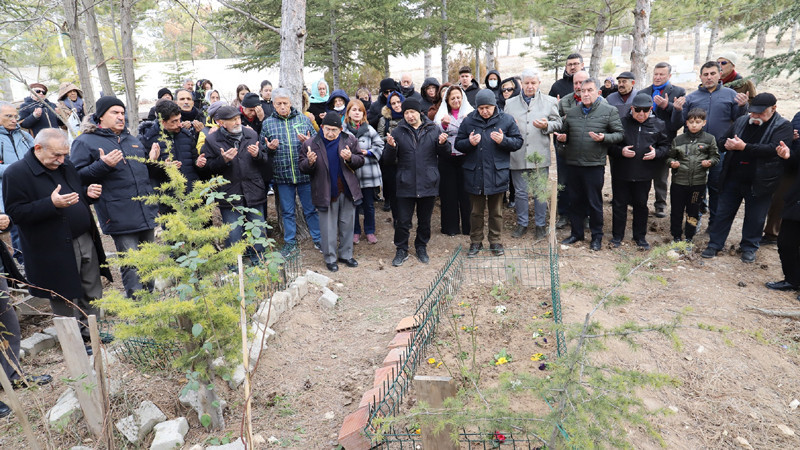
(588,130)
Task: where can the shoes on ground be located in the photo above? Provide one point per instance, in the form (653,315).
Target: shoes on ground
(782,285)
(519,231)
(497,249)
(318,246)
(596,244)
(349,262)
(5,410)
(643,244)
(474,249)
(748,256)
(422,255)
(616,242)
(356,238)
(709,253)
(541,232)
(562,222)
(571,240)
(372,239)
(31,380)
(660,213)
(333,267)
(400,257)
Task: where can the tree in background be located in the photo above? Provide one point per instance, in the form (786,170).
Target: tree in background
(557,45)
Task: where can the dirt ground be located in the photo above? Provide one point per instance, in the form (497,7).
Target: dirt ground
(734,384)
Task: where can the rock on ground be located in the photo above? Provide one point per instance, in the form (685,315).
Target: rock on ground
(170,434)
(66,406)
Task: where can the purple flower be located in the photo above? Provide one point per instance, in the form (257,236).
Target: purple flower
(542,366)
(545,340)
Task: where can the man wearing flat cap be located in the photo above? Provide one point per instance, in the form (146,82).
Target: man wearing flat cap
(37,112)
(751,172)
(414,147)
(637,159)
(101,154)
(623,98)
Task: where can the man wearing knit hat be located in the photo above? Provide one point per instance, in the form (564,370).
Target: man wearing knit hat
(249,116)
(415,146)
(330,158)
(730,78)
(101,154)
(487,136)
(37,112)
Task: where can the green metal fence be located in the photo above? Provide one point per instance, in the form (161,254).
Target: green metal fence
(529,267)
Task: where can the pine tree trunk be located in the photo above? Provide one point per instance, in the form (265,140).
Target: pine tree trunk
(426,65)
(510,35)
(97,50)
(641,31)
(334,52)
(761,43)
(293,38)
(491,61)
(711,41)
(444,41)
(793,38)
(667,46)
(77,46)
(128,75)
(598,42)
(697,44)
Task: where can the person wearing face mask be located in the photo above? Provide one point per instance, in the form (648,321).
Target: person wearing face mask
(337,102)
(492,81)
(751,172)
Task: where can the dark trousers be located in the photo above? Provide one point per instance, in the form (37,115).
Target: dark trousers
(129,241)
(389,176)
(714,189)
(366,209)
(660,186)
(232,216)
(755,212)
(685,200)
(405,212)
(563,194)
(632,193)
(773,225)
(455,204)
(789,250)
(494,203)
(89,270)
(9,334)
(17,246)
(585,187)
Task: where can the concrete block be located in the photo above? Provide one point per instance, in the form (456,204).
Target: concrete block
(67,405)
(237,377)
(37,343)
(294,295)
(235,445)
(328,298)
(128,428)
(179,425)
(51,331)
(280,301)
(266,314)
(317,278)
(302,285)
(170,434)
(139,424)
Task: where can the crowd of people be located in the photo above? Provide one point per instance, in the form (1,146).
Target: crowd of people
(469,146)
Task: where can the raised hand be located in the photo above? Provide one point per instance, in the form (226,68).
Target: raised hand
(312,156)
(229,154)
(155,151)
(561,137)
(734,144)
(597,137)
(253,150)
(63,201)
(474,139)
(345,153)
(706,163)
(260,113)
(741,98)
(442,138)
(111,159)
(273,144)
(37,112)
(676,164)
(201,161)
(678,103)
(390,140)
(783,150)
(5,221)
(628,152)
(304,137)
(661,102)
(94,190)
(497,136)
(540,123)
(650,155)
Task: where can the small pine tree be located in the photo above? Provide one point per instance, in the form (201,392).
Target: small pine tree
(173,78)
(558,44)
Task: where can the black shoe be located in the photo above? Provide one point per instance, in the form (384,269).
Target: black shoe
(782,285)
(88,348)
(387,206)
(399,258)
(349,262)
(562,222)
(422,255)
(318,246)
(5,410)
(474,249)
(709,253)
(31,380)
(497,249)
(616,242)
(660,213)
(571,240)
(333,267)
(748,256)
(643,244)
(512,204)
(768,240)
(596,244)
(541,232)
(519,231)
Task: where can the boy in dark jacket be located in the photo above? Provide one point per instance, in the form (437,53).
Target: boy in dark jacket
(690,157)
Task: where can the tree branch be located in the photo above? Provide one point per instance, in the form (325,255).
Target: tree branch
(251,17)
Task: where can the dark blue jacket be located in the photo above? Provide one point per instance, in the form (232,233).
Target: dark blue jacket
(244,171)
(416,154)
(641,136)
(720,107)
(183,149)
(48,119)
(117,210)
(486,166)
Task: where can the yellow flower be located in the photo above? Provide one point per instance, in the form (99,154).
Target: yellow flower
(431,360)
(439,364)
(535,317)
(463,327)
(537,357)
(417,431)
(500,361)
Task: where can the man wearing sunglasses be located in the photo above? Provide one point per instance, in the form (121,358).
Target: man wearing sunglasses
(730,78)
(388,85)
(38,113)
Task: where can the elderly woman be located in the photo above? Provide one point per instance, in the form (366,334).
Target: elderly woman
(609,87)
(318,103)
(70,98)
(455,206)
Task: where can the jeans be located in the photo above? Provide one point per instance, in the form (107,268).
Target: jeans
(520,182)
(367,208)
(632,193)
(494,203)
(230,215)
(405,212)
(287,193)
(585,187)
(685,199)
(129,241)
(755,213)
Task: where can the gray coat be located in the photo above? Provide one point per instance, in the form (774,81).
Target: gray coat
(369,175)
(536,140)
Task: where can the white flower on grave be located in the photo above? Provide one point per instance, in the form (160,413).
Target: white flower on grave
(500,309)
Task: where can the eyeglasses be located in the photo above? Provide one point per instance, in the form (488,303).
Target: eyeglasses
(39,91)
(508,89)
(641,110)
(9,116)
(387,92)
(723,63)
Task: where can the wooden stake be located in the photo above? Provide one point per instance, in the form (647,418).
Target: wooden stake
(69,336)
(245,358)
(100,370)
(13,402)
(433,391)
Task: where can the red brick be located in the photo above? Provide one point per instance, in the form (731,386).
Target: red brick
(385,375)
(402,339)
(351,435)
(394,356)
(375,393)
(408,323)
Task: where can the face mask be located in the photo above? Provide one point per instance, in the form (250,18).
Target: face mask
(492,84)
(338,108)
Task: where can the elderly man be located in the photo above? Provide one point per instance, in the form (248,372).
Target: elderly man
(751,173)
(191,117)
(537,117)
(722,106)
(46,198)
(415,147)
(37,112)
(487,137)
(101,155)
(408,90)
(283,133)
(14,143)
(789,237)
(623,98)
(588,131)
(637,158)
(567,102)
(664,94)
(562,87)
(733,80)
(330,158)
(234,153)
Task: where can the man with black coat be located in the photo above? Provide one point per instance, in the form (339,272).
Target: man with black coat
(468,84)
(636,160)
(664,94)
(101,154)
(789,236)
(37,112)
(415,146)
(234,152)
(174,143)
(388,85)
(191,117)
(563,87)
(250,119)
(407,88)
(46,199)
(487,136)
(751,173)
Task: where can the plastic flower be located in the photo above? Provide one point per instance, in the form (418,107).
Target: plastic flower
(537,357)
(499,437)
(500,361)
(439,364)
(417,431)
(542,366)
(431,360)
